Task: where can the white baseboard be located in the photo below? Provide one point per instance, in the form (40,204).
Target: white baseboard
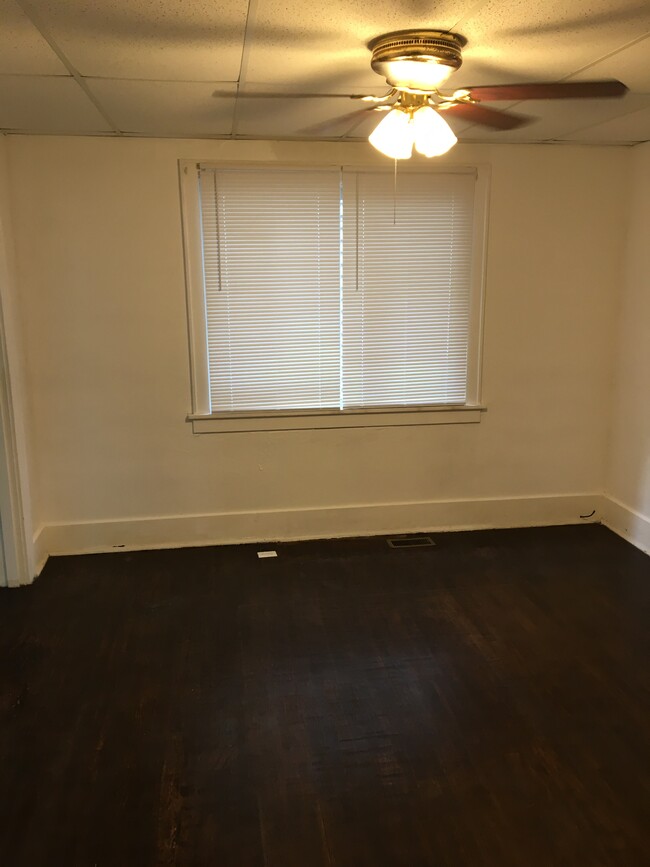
(293,524)
(39,552)
(627,522)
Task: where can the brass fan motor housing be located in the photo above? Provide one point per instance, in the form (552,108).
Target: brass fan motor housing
(437,46)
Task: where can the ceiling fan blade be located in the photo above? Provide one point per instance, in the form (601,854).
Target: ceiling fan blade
(254,94)
(551,90)
(487,116)
(329,127)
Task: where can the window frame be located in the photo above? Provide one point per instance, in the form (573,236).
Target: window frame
(205,421)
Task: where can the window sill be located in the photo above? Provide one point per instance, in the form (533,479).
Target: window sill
(318,420)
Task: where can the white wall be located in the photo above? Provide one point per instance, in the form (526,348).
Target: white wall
(628,476)
(102,289)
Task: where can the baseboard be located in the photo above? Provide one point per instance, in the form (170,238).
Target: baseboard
(39,551)
(314,523)
(627,523)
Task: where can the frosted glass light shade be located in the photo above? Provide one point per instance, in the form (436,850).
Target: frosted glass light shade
(416,74)
(433,135)
(393,136)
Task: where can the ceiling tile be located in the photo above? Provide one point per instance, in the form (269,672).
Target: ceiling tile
(50,105)
(556,119)
(547,41)
(176,108)
(322,47)
(633,127)
(322,117)
(22,48)
(155,65)
(476,71)
(184,40)
(631,66)
(324,87)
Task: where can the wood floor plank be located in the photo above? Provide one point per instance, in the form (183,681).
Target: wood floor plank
(483,702)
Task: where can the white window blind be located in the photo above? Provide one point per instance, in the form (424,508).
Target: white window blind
(318,296)
(407,289)
(271,259)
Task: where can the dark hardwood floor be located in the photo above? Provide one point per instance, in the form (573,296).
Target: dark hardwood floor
(481,702)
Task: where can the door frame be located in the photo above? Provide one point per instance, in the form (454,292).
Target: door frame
(17,553)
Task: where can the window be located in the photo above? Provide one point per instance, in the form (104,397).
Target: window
(321,297)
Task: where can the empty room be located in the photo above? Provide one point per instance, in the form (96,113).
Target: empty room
(325,445)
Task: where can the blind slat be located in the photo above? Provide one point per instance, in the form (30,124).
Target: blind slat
(317,298)
(272,286)
(407,291)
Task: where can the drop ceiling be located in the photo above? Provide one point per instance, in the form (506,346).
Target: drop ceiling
(192,68)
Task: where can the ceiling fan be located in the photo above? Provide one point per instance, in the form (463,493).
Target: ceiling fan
(415,63)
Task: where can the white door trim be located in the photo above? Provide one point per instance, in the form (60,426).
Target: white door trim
(14,554)
(18,549)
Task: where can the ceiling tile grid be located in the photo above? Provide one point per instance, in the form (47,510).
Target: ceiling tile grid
(23,50)
(34,103)
(633,127)
(173,40)
(284,68)
(551,40)
(167,108)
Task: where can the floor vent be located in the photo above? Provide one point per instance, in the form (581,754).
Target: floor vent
(411,542)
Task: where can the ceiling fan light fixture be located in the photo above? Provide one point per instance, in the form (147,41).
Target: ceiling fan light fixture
(424,74)
(417,60)
(433,135)
(393,135)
